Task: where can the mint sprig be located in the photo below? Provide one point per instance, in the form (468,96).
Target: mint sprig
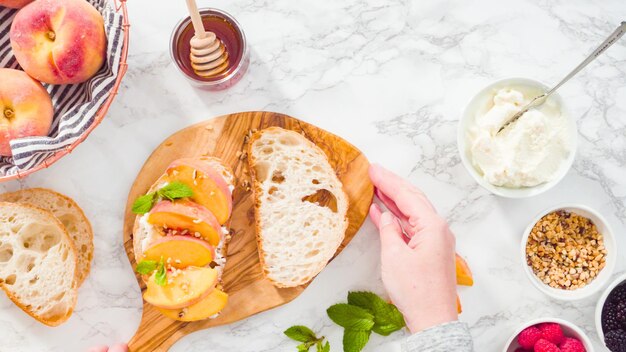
(365,313)
(171,191)
(387,317)
(308,338)
(161,275)
(147,267)
(351,317)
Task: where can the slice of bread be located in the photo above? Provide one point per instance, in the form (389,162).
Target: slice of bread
(37,263)
(300,206)
(70,215)
(144,233)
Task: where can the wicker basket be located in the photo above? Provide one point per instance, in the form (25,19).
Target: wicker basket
(120,5)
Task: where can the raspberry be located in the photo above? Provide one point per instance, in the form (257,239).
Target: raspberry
(544,345)
(551,332)
(570,344)
(528,337)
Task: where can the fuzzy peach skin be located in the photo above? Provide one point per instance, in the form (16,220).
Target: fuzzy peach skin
(59,41)
(25,108)
(15,4)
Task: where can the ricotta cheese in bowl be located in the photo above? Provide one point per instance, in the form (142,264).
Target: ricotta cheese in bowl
(528,156)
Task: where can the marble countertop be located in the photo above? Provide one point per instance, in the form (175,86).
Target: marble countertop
(392,78)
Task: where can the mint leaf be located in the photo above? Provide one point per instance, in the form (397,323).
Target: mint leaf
(175,190)
(350,317)
(143,204)
(323,348)
(161,275)
(355,340)
(300,333)
(146,267)
(304,347)
(387,317)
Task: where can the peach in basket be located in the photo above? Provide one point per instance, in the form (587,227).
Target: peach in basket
(25,108)
(15,4)
(59,41)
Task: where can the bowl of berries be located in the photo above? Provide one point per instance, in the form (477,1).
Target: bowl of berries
(611,315)
(548,335)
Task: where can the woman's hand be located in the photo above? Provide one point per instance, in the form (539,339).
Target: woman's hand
(114,348)
(417,252)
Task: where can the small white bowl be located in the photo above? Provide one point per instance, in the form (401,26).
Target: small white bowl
(468,117)
(569,330)
(620,279)
(605,274)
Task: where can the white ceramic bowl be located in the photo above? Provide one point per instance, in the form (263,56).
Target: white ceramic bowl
(569,330)
(605,274)
(468,117)
(600,305)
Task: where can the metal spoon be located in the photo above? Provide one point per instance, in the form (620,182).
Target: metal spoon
(537,101)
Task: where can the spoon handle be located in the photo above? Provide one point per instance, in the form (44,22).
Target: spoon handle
(618,33)
(196,20)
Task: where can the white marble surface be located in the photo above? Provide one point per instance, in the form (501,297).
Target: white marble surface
(391,77)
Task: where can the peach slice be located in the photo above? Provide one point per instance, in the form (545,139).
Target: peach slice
(459,309)
(463,272)
(183,251)
(209,187)
(211,305)
(185,215)
(188,287)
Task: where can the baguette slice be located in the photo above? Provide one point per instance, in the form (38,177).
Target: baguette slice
(70,215)
(37,263)
(300,206)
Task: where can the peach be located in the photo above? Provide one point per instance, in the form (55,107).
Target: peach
(186,215)
(183,251)
(209,187)
(190,286)
(59,41)
(25,108)
(15,4)
(459,308)
(211,305)
(463,272)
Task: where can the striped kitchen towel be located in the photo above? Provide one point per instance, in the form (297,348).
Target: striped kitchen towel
(75,106)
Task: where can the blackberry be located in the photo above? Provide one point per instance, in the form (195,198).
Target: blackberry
(620,313)
(616,340)
(614,311)
(609,317)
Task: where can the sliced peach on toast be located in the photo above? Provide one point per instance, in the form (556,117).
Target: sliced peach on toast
(463,273)
(209,187)
(184,288)
(209,306)
(185,215)
(183,251)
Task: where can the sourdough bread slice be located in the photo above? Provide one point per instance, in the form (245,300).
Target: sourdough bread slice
(144,234)
(37,263)
(300,206)
(71,216)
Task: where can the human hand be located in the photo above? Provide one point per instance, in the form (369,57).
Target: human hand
(417,264)
(115,348)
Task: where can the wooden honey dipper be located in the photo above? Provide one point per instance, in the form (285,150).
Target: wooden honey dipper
(208,54)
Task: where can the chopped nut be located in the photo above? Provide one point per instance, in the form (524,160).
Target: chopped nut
(565,250)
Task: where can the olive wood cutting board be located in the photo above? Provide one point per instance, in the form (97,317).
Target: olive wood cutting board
(249,293)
